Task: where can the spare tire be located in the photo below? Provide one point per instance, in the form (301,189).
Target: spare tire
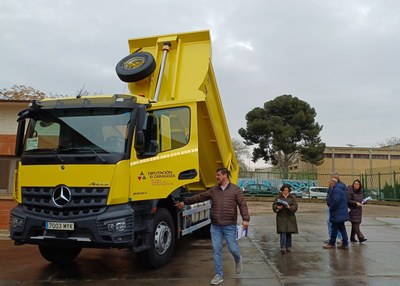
(136,66)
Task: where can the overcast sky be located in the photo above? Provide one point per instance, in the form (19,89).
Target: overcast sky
(342,57)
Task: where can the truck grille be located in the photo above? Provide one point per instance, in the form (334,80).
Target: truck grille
(83,202)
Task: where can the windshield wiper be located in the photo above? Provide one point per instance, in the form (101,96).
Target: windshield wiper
(53,151)
(86,149)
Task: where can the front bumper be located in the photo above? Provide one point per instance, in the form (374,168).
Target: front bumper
(113,228)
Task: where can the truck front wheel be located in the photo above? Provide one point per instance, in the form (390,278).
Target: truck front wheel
(162,241)
(59,255)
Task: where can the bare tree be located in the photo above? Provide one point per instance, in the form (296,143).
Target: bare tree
(242,153)
(392,141)
(21,92)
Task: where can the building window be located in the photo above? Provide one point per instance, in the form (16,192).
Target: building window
(4,174)
(342,156)
(380,157)
(361,156)
(395,157)
(337,156)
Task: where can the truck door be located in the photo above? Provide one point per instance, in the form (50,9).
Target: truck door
(169,157)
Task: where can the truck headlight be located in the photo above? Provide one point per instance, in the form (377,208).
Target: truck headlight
(115,225)
(16,223)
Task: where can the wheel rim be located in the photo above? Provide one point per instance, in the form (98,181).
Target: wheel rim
(163,238)
(134,63)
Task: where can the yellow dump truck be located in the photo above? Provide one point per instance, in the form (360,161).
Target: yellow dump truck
(106,171)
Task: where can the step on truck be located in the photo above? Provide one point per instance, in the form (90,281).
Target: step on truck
(106,171)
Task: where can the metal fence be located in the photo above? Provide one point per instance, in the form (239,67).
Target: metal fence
(380,186)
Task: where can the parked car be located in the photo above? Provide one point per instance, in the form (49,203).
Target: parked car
(318,192)
(260,190)
(301,193)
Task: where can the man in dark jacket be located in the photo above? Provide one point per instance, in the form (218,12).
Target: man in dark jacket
(328,216)
(337,203)
(225,199)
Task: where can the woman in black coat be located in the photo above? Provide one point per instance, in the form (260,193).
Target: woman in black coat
(356,196)
(285,207)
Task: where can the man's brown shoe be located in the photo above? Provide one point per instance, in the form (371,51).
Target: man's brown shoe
(328,246)
(345,247)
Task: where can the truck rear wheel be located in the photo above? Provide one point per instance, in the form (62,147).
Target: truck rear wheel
(135,67)
(59,255)
(163,239)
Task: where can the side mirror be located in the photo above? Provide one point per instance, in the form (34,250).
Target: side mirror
(139,134)
(19,143)
(139,141)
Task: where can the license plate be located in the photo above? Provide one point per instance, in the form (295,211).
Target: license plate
(59,225)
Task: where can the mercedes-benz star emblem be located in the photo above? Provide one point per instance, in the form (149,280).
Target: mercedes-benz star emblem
(61,196)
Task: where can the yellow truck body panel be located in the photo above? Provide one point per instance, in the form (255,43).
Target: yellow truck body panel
(189,75)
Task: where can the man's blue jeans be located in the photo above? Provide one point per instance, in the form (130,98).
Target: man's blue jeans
(339,227)
(328,216)
(218,234)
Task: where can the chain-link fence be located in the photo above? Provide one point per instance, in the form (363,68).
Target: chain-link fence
(380,186)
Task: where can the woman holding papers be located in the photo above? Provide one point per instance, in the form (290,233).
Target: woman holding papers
(355,202)
(285,207)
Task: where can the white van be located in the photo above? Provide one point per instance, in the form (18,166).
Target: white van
(318,192)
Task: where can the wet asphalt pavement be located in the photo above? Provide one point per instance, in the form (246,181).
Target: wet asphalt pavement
(374,262)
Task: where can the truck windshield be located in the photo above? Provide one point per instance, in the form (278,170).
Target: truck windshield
(96,130)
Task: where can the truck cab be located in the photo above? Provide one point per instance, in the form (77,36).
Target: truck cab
(106,170)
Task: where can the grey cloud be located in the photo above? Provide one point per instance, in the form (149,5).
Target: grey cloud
(339,56)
